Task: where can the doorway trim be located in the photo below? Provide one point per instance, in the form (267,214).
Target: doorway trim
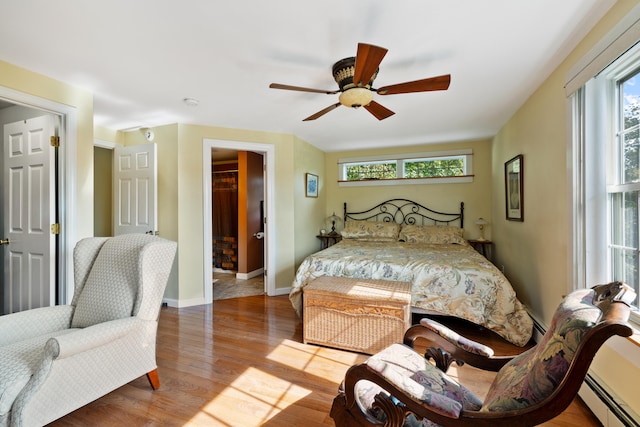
(268,151)
(67,181)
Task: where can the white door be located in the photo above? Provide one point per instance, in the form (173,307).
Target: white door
(135,189)
(28,200)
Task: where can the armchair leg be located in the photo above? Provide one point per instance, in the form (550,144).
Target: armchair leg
(154,379)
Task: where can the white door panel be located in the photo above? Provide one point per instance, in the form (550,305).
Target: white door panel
(29,210)
(135,190)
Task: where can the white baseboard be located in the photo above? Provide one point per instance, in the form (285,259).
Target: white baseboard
(280,291)
(250,275)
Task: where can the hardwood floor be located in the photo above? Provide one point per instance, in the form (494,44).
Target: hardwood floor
(242,363)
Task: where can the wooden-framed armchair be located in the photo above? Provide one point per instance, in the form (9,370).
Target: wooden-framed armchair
(399,387)
(54,360)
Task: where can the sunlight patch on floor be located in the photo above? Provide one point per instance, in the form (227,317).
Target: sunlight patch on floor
(302,357)
(257,396)
(253,395)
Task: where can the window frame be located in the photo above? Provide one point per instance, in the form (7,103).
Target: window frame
(400,160)
(598,169)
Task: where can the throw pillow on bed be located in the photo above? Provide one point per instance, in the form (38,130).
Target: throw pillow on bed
(371,230)
(438,234)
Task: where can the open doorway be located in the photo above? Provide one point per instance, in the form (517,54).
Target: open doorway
(237,223)
(264,210)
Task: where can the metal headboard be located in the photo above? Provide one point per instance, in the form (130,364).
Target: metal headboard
(404,211)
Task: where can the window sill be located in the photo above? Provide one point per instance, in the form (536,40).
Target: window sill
(635,338)
(408,181)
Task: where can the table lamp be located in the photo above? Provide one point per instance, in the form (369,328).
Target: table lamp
(481,222)
(334,219)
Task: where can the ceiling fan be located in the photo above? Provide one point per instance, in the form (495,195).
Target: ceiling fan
(355,76)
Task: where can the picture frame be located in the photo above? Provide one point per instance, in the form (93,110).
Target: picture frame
(311,185)
(514,188)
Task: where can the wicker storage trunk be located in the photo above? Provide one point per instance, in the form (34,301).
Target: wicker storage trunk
(356,314)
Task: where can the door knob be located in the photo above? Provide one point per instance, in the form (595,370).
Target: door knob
(259,235)
(4,241)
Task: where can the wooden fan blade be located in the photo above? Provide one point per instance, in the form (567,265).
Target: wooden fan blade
(424,85)
(378,110)
(302,89)
(322,112)
(368,60)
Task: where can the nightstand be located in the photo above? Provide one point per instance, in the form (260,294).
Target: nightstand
(482,246)
(327,240)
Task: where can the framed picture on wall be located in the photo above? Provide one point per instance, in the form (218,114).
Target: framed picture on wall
(513,186)
(312,185)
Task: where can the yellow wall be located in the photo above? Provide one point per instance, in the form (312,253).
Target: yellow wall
(102,193)
(31,83)
(534,252)
(109,135)
(180,199)
(308,159)
(190,202)
(442,197)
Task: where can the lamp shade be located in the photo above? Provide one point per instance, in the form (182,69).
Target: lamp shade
(482,221)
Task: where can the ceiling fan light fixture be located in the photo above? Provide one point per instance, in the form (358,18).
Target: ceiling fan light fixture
(355,76)
(356,97)
(343,72)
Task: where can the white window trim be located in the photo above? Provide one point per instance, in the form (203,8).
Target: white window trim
(617,41)
(587,135)
(400,159)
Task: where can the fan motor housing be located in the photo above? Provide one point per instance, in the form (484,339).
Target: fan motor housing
(343,71)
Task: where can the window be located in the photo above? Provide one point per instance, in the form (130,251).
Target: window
(419,168)
(370,170)
(430,168)
(623,187)
(606,153)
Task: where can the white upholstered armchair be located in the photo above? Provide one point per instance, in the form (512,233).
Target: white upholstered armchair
(54,360)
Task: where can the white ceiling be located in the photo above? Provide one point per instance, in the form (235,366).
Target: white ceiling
(141,58)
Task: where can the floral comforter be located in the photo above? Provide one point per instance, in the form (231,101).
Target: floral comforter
(449,279)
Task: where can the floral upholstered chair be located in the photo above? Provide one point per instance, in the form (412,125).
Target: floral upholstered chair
(53,360)
(399,387)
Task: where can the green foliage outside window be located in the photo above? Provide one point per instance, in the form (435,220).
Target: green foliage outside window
(434,168)
(362,171)
(624,238)
(631,124)
(422,168)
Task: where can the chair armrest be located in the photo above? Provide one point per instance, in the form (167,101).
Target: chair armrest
(93,336)
(393,400)
(35,322)
(445,346)
(437,402)
(456,339)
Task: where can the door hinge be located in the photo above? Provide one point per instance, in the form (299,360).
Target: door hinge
(55,228)
(55,141)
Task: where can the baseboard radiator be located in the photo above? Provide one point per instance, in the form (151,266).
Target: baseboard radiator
(599,398)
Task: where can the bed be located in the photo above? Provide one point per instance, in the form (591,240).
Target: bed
(401,240)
